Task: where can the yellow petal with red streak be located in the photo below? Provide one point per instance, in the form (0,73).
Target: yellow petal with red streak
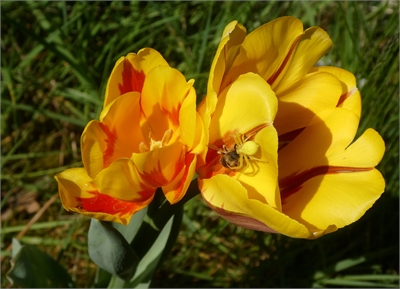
(350,98)
(266,48)
(79,195)
(337,199)
(121,180)
(117,136)
(161,166)
(312,45)
(164,91)
(130,72)
(176,190)
(328,133)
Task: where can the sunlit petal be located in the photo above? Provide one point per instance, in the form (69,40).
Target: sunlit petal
(121,180)
(228,48)
(260,176)
(265,49)
(164,91)
(79,195)
(298,105)
(175,190)
(230,199)
(338,199)
(350,97)
(161,166)
(187,119)
(130,72)
(314,39)
(248,103)
(324,136)
(106,141)
(370,144)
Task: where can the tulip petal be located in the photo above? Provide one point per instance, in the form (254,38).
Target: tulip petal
(230,200)
(260,177)
(163,92)
(248,103)
(338,199)
(370,144)
(199,142)
(228,48)
(187,119)
(79,195)
(94,143)
(106,141)
(328,133)
(130,72)
(336,183)
(314,39)
(315,93)
(161,166)
(121,180)
(265,49)
(176,190)
(350,98)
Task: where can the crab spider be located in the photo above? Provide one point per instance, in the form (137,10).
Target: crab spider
(243,151)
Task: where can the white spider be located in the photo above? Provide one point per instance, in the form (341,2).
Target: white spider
(239,156)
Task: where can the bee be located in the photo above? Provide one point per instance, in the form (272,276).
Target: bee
(243,151)
(230,159)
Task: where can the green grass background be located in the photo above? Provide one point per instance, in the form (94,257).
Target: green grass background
(55,61)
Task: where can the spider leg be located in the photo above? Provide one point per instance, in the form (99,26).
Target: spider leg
(256,159)
(246,161)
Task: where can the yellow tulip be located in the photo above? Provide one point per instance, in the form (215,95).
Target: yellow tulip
(148,136)
(300,175)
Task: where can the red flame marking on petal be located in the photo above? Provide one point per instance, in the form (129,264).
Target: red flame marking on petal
(110,141)
(132,80)
(286,138)
(101,203)
(345,96)
(293,184)
(272,79)
(156,177)
(173,115)
(188,161)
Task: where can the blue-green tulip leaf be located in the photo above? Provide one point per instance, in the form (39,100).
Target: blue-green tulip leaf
(158,251)
(32,268)
(16,247)
(110,251)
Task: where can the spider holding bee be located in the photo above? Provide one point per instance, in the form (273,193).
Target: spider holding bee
(243,151)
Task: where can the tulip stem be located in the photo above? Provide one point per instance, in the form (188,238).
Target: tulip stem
(158,214)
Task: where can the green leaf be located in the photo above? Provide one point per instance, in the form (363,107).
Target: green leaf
(129,231)
(32,268)
(158,252)
(102,278)
(110,251)
(355,283)
(16,247)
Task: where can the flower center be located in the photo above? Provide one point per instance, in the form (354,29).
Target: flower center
(156,144)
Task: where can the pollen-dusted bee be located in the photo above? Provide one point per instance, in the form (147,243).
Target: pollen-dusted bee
(230,159)
(241,154)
